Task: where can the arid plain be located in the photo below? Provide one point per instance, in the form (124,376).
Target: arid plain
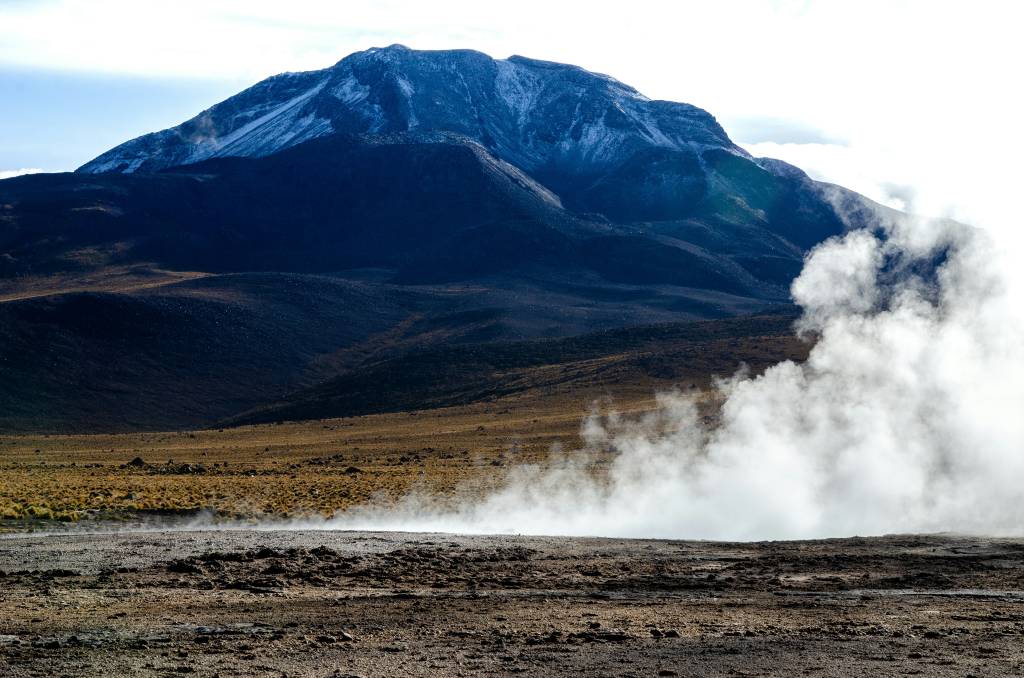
(104,571)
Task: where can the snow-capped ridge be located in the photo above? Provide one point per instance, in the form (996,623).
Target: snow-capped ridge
(535,114)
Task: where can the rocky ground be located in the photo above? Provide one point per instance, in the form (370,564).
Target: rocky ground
(308,603)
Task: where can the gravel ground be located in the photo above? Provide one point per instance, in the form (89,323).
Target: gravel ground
(316,603)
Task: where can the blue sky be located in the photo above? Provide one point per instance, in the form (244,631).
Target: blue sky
(56,120)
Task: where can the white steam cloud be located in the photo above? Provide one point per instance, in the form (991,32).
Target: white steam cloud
(908,416)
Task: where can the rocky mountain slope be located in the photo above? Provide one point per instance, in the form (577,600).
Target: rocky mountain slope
(511,199)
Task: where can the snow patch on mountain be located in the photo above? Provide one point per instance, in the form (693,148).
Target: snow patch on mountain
(517,87)
(282,126)
(403,84)
(350,91)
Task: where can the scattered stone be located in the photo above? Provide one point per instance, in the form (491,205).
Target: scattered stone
(601,636)
(183,567)
(266,552)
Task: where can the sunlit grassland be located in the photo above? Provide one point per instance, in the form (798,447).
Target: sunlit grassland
(289,469)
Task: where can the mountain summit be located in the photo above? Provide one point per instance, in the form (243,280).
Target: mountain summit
(530,113)
(538,115)
(580,133)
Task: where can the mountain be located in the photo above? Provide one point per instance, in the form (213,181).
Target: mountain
(535,114)
(577,132)
(598,144)
(479,201)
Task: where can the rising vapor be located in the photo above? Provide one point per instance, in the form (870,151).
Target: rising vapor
(906,417)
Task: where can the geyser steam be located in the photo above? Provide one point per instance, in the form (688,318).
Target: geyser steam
(907,416)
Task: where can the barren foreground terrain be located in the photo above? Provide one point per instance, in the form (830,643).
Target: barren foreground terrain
(308,603)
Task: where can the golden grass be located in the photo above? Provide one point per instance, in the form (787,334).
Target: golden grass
(290,469)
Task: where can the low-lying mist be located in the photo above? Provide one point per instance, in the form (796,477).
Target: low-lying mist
(908,416)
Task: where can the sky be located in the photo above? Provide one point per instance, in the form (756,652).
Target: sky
(894,99)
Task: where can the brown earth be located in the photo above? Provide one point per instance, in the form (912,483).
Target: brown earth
(342,604)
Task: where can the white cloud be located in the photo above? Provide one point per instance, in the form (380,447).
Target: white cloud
(9,174)
(786,59)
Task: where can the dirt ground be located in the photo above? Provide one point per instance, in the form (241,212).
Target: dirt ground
(314,603)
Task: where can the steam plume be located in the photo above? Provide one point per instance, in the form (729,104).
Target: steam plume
(907,416)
